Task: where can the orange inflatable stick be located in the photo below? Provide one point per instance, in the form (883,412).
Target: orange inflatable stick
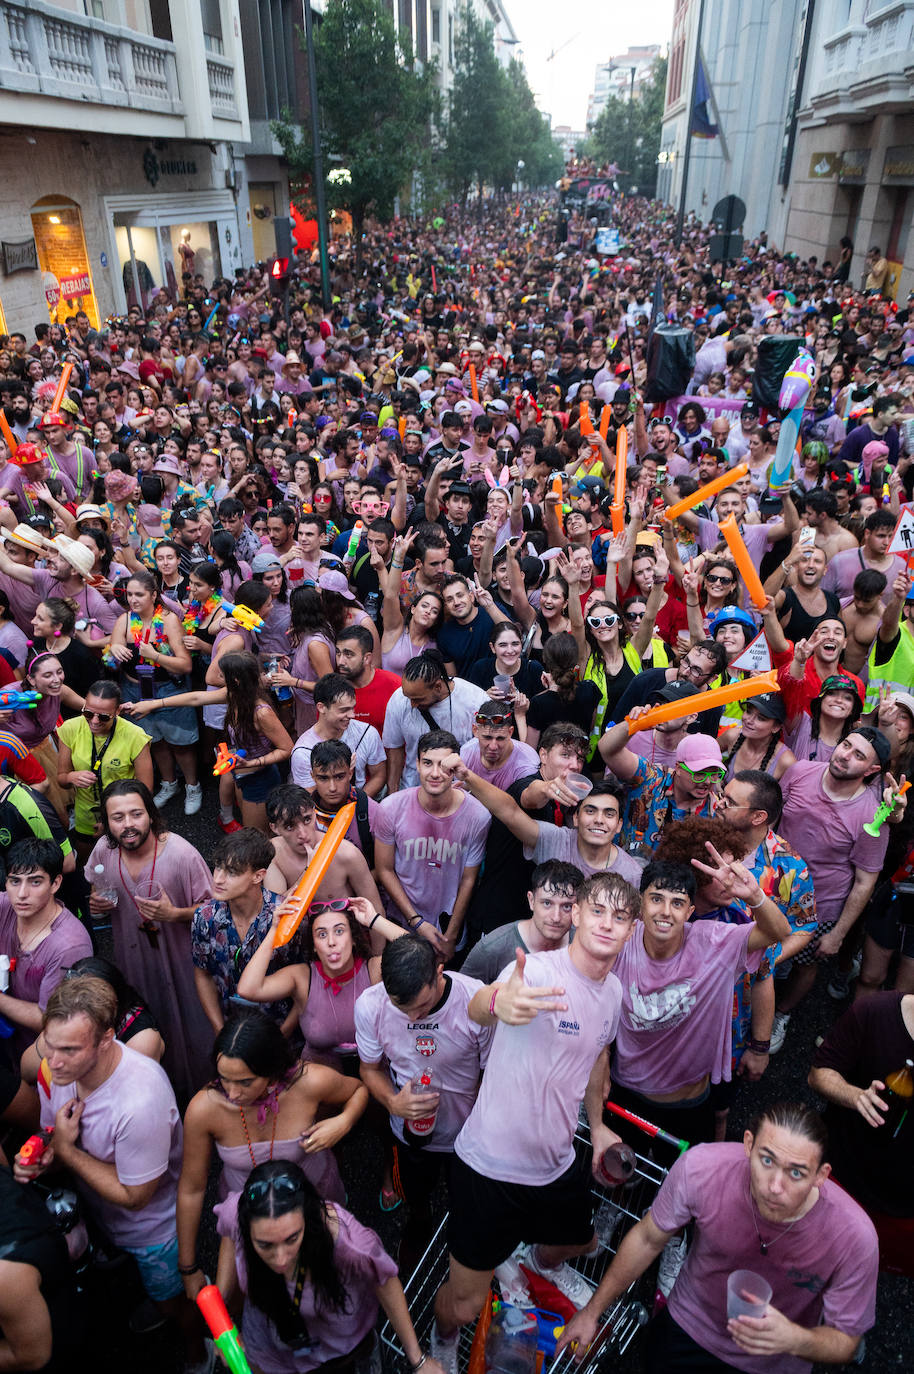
(9,436)
(401,426)
(474,385)
(617,517)
(585,423)
(605,417)
(295,903)
(730,530)
(704,701)
(557,489)
(62,387)
(621,468)
(726,479)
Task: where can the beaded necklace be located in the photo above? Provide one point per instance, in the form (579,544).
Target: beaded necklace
(247,1135)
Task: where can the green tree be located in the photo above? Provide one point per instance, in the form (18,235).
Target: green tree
(628,132)
(377,109)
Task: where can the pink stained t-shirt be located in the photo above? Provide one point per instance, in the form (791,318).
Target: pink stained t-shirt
(829,835)
(431,852)
(520,763)
(445,1041)
(522,1127)
(131,1121)
(676,1013)
(823,1272)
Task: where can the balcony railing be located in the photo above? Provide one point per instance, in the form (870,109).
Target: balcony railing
(868,63)
(47,51)
(221,77)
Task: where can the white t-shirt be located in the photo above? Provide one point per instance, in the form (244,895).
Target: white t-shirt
(363,740)
(445,1041)
(521,1129)
(404,726)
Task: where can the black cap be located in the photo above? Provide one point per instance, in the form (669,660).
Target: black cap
(458,489)
(770,705)
(412,460)
(673,691)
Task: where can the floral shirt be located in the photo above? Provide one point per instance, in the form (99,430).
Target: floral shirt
(217,950)
(650,806)
(783,876)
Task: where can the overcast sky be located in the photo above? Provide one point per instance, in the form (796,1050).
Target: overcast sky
(581,33)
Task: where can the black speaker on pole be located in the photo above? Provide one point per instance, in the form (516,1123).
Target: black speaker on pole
(670,362)
(775,354)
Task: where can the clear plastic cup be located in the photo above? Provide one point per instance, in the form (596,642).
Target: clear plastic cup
(748,1294)
(502,685)
(148,890)
(579,785)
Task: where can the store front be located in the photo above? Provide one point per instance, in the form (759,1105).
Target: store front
(63,260)
(155,240)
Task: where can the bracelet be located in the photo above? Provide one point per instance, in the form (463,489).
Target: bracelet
(492,1003)
(692,603)
(415,920)
(757,904)
(375,917)
(760,1046)
(421,1361)
(187,1269)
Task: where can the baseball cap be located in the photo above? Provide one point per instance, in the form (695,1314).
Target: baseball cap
(699,751)
(750,408)
(265,560)
(770,705)
(458,489)
(537,353)
(673,691)
(594,485)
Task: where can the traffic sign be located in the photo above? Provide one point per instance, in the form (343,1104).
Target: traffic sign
(903,537)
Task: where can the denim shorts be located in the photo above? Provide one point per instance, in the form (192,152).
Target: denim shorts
(256,785)
(158,1266)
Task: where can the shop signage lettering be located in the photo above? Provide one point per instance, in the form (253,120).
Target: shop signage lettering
(853,165)
(899,166)
(21,256)
(824,165)
(77,285)
(154,167)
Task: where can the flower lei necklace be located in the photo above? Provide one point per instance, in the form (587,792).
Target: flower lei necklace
(156,630)
(199,611)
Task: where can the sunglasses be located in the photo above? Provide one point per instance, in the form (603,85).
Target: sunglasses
(338,904)
(718,579)
(704,774)
(635,615)
(502,718)
(103,716)
(666,420)
(282,1185)
(595,621)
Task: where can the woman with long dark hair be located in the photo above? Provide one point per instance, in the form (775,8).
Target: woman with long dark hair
(232,570)
(313,644)
(54,630)
(264,1104)
(566,697)
(312,1277)
(757,740)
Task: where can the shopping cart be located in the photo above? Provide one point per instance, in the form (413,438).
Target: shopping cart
(617,1208)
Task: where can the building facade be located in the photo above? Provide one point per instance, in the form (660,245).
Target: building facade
(116,138)
(623,76)
(853,169)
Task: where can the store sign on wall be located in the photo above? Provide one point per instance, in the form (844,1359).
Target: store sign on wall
(21,256)
(77,285)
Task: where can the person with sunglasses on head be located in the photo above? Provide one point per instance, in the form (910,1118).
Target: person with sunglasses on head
(95,748)
(312,1278)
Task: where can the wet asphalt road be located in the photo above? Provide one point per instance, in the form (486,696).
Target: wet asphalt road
(889,1346)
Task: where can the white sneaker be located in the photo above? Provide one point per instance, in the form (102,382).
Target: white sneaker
(779,1031)
(165,793)
(444,1351)
(511,1280)
(193,798)
(566,1279)
(207,1364)
(671,1261)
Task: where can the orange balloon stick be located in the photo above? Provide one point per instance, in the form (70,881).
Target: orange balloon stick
(703,701)
(8,435)
(730,530)
(605,417)
(726,479)
(557,488)
(617,516)
(62,387)
(401,426)
(295,904)
(585,423)
(474,387)
(621,468)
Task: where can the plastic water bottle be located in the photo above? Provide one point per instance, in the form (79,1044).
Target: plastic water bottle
(280,693)
(4,973)
(106,894)
(617,1164)
(511,1342)
(419,1129)
(373,604)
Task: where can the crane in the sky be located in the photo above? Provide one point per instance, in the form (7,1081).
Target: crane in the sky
(561,48)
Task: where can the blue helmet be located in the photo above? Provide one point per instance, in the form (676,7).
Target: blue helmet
(732,615)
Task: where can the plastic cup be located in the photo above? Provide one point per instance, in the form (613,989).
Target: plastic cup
(502,684)
(748,1294)
(148,890)
(579,785)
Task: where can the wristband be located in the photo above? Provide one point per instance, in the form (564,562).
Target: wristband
(375,917)
(757,904)
(492,1003)
(760,1046)
(413,921)
(420,1362)
(185,1270)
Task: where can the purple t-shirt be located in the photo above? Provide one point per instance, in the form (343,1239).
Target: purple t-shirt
(520,763)
(829,835)
(131,1121)
(561,842)
(845,566)
(39,970)
(676,1013)
(445,1041)
(825,1273)
(521,1129)
(432,852)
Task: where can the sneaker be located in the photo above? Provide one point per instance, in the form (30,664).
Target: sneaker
(207,1364)
(444,1351)
(567,1280)
(229,827)
(193,798)
(671,1261)
(512,1282)
(779,1031)
(839,985)
(165,793)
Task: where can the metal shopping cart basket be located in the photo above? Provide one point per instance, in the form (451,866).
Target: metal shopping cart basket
(621,1321)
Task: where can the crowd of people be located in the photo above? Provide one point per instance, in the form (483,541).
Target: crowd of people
(376,553)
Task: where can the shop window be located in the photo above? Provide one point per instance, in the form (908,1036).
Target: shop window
(61,244)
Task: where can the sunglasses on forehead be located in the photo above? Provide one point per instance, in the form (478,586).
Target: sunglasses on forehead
(283,1185)
(338,904)
(490,718)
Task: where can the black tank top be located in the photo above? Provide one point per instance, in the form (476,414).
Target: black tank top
(800,623)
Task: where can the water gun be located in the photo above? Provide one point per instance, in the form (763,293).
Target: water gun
(549,1327)
(354,538)
(11,699)
(222,1329)
(227,759)
(244,616)
(883,811)
(295,904)
(32,1152)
